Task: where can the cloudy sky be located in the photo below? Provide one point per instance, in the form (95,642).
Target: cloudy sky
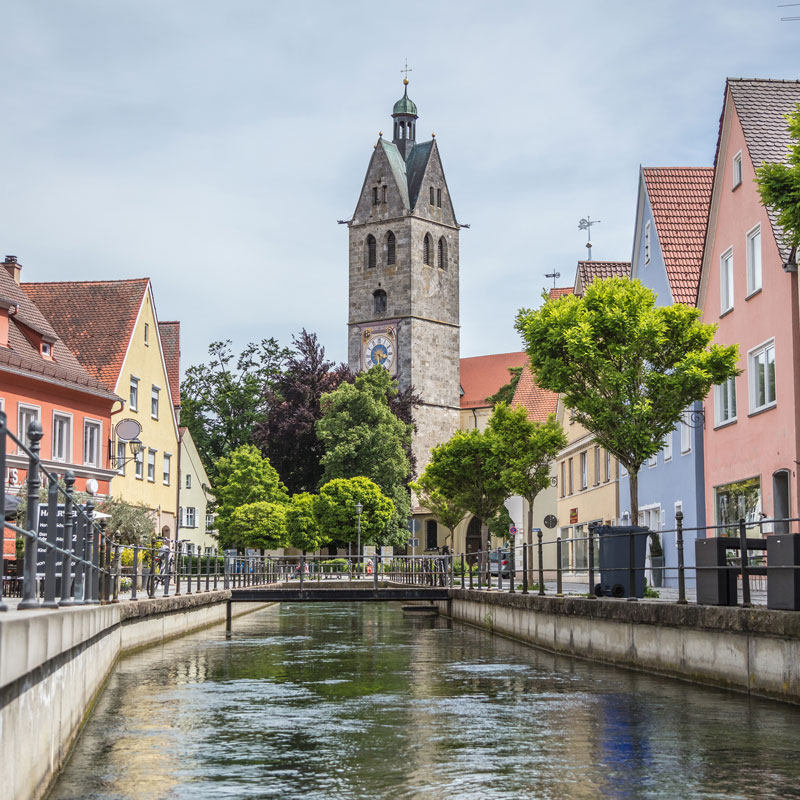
(213,144)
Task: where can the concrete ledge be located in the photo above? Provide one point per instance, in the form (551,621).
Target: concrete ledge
(751,650)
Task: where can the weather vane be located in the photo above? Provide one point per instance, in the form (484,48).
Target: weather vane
(554,275)
(586,225)
(406,70)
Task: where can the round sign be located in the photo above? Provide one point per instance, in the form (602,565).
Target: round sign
(550,521)
(127,429)
(511,530)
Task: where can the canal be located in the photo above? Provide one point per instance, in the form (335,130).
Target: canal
(360,701)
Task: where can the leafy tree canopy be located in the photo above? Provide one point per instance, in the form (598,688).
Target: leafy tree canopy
(261,525)
(447,512)
(335,510)
(625,367)
(223,400)
(779,184)
(363,437)
(302,528)
(243,478)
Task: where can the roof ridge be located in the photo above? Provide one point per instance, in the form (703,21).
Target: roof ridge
(82,283)
(763,80)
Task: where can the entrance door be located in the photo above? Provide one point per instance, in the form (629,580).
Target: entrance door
(781,504)
(474,535)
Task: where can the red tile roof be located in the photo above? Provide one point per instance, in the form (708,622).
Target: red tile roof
(762,106)
(171,345)
(679,197)
(482,376)
(22,357)
(557,293)
(589,271)
(538,402)
(95,319)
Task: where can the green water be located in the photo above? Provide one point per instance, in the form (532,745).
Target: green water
(360,701)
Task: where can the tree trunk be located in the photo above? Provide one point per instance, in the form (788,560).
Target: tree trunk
(488,546)
(633,479)
(530,539)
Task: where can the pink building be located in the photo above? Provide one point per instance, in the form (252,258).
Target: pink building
(752,444)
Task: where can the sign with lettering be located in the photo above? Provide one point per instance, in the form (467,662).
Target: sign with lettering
(41,550)
(573,516)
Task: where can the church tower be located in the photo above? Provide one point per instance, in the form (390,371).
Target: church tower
(404,306)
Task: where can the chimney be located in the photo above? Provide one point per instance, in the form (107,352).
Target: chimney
(12,267)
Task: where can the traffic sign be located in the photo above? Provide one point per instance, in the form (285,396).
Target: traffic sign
(511,530)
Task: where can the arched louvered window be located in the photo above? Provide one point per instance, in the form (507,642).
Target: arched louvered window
(441,254)
(391,249)
(379,302)
(427,250)
(372,252)
(433,195)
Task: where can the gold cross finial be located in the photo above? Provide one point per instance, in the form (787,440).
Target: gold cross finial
(406,70)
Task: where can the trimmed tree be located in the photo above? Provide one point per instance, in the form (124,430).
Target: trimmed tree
(261,525)
(625,367)
(335,510)
(243,478)
(526,449)
(302,528)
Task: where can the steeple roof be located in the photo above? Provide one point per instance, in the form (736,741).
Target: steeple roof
(405,105)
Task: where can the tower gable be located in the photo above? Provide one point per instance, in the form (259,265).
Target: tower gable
(386,173)
(427,185)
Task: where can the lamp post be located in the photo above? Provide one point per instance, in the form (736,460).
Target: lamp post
(359,509)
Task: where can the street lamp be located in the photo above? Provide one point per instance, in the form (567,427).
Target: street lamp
(136,448)
(359,509)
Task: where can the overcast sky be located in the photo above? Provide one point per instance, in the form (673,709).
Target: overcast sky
(213,144)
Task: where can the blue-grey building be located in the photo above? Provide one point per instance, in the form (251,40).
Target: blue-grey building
(671,217)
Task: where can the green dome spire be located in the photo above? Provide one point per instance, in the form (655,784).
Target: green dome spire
(405,105)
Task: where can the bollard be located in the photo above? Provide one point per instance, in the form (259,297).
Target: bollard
(524,568)
(539,536)
(592,594)
(69,527)
(745,571)
(681,568)
(559,585)
(29,593)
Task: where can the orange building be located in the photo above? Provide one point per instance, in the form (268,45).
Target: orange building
(40,379)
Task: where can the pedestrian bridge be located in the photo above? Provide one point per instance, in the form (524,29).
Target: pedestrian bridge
(339,593)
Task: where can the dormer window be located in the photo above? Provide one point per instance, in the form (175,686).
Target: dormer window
(47,350)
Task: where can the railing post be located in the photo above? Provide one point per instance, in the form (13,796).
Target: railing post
(470,563)
(216,566)
(107,570)
(681,567)
(199,570)
(3,438)
(117,557)
(226,580)
(69,545)
(79,584)
(524,568)
(512,565)
(135,577)
(592,595)
(208,571)
(302,570)
(745,571)
(559,584)
(375,568)
(29,593)
(91,579)
(50,553)
(463,573)
(499,572)
(540,546)
(480,568)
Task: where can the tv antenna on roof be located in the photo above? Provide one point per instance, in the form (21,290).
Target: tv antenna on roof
(586,225)
(553,275)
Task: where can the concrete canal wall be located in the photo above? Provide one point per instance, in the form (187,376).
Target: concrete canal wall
(751,650)
(54,663)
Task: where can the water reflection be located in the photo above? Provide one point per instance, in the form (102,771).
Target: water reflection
(359,701)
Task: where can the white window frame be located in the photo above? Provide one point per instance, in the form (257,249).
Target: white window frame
(753,285)
(146,335)
(166,470)
(47,349)
(155,396)
(737,170)
(138,462)
(209,522)
(66,458)
(584,470)
(133,394)
(726,281)
(190,517)
(22,433)
(752,355)
(151,462)
(608,467)
(121,456)
(686,433)
(596,465)
(647,243)
(188,482)
(570,471)
(653,461)
(729,388)
(98,426)
(564,478)
(667,449)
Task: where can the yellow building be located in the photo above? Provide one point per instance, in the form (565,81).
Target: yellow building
(112,328)
(196,525)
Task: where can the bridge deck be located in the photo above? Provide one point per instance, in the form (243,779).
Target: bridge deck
(344,594)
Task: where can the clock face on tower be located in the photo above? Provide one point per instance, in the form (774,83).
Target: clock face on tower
(379,350)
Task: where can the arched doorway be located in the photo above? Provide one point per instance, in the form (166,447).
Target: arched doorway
(473,543)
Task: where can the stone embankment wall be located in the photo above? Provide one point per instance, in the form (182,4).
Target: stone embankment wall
(53,664)
(753,650)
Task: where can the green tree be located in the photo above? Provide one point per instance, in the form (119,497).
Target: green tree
(505,394)
(443,509)
(335,510)
(223,400)
(625,367)
(261,524)
(779,184)
(466,470)
(302,528)
(363,437)
(243,478)
(526,449)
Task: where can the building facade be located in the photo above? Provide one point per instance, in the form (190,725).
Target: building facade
(195,524)
(752,438)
